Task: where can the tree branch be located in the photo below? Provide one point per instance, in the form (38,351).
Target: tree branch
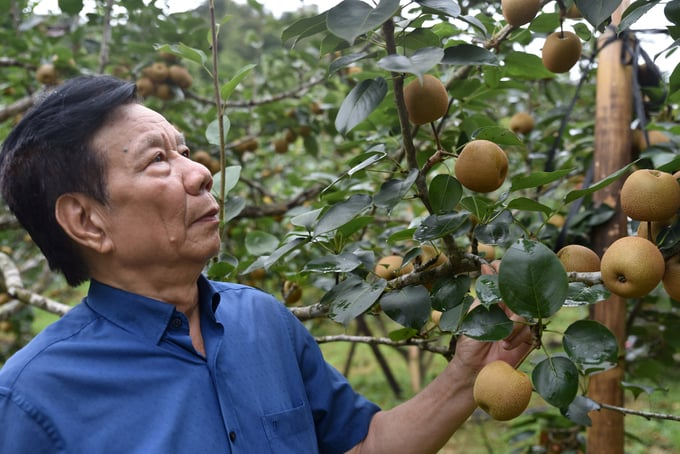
(423,344)
(19,106)
(644,414)
(15,288)
(106,37)
(293,93)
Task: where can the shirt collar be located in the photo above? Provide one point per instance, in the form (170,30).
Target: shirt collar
(139,314)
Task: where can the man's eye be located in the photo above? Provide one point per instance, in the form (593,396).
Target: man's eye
(186,153)
(158,158)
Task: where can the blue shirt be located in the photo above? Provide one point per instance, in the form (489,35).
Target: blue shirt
(119,374)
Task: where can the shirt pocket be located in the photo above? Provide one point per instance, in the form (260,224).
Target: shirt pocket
(292,429)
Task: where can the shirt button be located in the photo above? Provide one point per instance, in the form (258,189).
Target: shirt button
(232,436)
(176,322)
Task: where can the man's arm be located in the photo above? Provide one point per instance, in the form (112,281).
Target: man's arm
(424,423)
(24,429)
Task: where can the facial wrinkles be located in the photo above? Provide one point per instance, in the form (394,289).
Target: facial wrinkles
(152,131)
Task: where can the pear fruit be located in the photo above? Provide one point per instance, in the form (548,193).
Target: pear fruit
(481,166)
(46,74)
(520,12)
(578,258)
(632,266)
(650,195)
(145,87)
(426,102)
(502,391)
(180,76)
(522,123)
(671,277)
(390,266)
(291,291)
(561,51)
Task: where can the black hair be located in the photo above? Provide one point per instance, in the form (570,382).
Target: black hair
(49,153)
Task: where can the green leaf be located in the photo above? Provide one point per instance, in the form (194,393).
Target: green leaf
(266,261)
(521,65)
(545,23)
(71,7)
(341,213)
(577,194)
(184,51)
(218,270)
(343,263)
(418,39)
(452,318)
(233,207)
(352,18)
(260,243)
(419,63)
(591,346)
(355,225)
(468,54)
(449,293)
(532,280)
(232,175)
(524,204)
(401,235)
(597,12)
(445,192)
(446,7)
(487,291)
(497,134)
(437,225)
(536,179)
(402,334)
(351,298)
(345,60)
(360,102)
(581,294)
(228,88)
(479,206)
(578,410)
(637,389)
(393,191)
(305,27)
(487,324)
(500,230)
(212,132)
(306,219)
(409,306)
(556,380)
(365,160)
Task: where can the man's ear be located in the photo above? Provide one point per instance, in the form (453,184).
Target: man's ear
(80,217)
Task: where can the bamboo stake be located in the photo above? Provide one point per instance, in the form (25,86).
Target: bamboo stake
(612,151)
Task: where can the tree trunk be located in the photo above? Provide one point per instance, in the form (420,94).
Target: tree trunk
(612,152)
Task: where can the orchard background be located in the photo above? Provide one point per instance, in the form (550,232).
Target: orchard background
(301,118)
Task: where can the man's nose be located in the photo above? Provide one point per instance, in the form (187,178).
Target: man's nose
(197,177)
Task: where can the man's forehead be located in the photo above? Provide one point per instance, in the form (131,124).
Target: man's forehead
(141,125)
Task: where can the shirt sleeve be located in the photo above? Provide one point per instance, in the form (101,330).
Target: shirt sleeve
(341,415)
(24,428)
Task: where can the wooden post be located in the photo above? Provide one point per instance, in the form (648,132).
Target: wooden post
(612,151)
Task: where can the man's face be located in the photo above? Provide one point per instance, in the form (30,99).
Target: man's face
(160,212)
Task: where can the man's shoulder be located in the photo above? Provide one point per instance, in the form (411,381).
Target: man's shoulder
(243,301)
(239,293)
(54,335)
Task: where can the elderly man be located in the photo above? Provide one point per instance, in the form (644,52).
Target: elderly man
(156,358)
